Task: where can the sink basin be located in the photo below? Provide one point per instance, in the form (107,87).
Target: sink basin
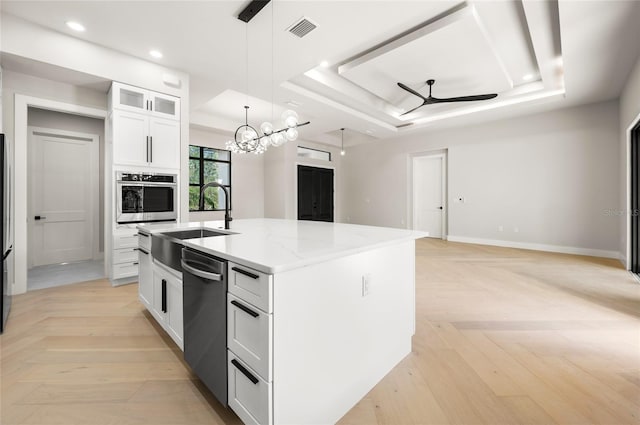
(193,233)
(166,247)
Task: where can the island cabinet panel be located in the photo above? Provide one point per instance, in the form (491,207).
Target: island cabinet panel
(335,338)
(250,396)
(145,276)
(249,335)
(252,286)
(167,302)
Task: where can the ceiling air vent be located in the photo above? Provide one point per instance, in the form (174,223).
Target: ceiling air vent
(302,27)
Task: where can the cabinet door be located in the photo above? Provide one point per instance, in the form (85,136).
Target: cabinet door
(160,283)
(164,106)
(129,98)
(145,277)
(174,310)
(130,141)
(165,143)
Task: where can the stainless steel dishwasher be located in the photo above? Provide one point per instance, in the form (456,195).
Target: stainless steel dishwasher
(204,281)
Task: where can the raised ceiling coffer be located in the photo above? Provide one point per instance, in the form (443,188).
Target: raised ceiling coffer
(302,27)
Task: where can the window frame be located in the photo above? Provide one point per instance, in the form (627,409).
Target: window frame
(201,161)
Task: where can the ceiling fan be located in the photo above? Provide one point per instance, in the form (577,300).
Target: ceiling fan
(431,100)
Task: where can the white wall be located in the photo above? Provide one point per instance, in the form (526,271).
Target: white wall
(629,114)
(68,122)
(552,176)
(247,179)
(281,178)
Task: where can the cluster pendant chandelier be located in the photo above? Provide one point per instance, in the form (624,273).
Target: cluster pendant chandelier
(246,138)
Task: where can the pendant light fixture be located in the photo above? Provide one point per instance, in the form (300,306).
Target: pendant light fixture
(246,138)
(342,151)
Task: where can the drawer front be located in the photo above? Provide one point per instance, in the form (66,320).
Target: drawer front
(144,241)
(249,395)
(249,335)
(125,270)
(125,241)
(125,255)
(251,286)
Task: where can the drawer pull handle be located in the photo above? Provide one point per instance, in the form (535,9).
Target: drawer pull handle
(244,371)
(244,272)
(143,234)
(135,264)
(245,308)
(143,251)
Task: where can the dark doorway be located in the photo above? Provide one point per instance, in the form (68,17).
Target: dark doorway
(635,199)
(315,193)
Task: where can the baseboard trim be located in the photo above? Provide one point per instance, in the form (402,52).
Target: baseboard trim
(537,247)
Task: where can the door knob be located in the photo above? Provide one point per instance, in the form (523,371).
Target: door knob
(39,217)
(439,208)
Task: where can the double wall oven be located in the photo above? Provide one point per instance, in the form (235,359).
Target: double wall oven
(144,197)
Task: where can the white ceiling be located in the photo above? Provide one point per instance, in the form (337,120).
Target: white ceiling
(585,48)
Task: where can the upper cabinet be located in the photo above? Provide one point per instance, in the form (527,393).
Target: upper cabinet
(134,99)
(145,127)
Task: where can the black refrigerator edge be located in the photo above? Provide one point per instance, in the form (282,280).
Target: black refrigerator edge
(5,241)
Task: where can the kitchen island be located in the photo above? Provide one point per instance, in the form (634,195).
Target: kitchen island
(334,306)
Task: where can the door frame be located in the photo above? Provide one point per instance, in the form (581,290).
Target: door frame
(19,194)
(440,153)
(94,139)
(626,256)
(295,186)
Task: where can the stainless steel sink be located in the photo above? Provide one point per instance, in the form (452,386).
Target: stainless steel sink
(193,233)
(166,247)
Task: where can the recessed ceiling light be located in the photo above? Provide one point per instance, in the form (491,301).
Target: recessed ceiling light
(527,77)
(324,64)
(76,26)
(155,53)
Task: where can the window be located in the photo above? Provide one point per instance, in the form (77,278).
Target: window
(313,154)
(208,165)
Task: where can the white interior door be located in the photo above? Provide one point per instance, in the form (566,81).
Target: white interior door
(429,195)
(63,190)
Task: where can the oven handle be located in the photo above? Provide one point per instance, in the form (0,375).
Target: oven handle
(142,184)
(200,273)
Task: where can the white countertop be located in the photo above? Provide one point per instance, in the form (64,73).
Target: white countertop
(272,246)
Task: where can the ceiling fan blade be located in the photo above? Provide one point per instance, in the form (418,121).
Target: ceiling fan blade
(411,110)
(412,91)
(464,98)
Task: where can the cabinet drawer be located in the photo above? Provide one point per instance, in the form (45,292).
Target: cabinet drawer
(144,241)
(249,335)
(125,270)
(125,241)
(251,286)
(249,395)
(125,255)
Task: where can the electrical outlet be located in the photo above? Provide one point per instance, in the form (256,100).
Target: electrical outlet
(366,284)
(500,228)
(516,230)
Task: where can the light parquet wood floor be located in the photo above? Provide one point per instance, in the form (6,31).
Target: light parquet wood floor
(503,336)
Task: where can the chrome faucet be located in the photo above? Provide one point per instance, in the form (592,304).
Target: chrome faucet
(227,217)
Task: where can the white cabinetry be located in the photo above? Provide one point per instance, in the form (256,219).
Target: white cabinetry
(125,253)
(130,98)
(145,269)
(145,127)
(250,344)
(167,302)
